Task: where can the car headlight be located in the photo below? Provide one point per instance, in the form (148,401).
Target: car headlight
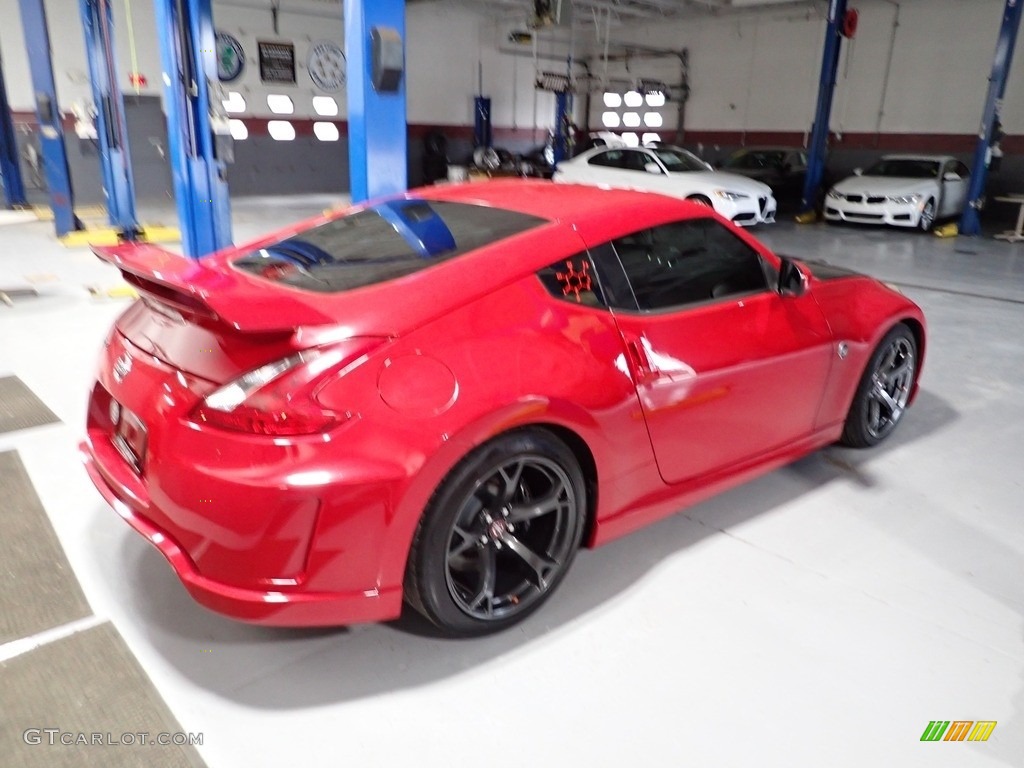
(904,199)
(727,195)
(834,195)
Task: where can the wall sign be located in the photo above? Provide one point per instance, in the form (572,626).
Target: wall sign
(230,58)
(326,65)
(277,62)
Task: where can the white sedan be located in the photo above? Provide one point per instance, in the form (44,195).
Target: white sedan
(901,190)
(672,171)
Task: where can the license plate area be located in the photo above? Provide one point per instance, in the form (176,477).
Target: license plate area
(129,436)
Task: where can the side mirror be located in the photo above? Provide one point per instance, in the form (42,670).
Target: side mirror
(858,171)
(652,167)
(951,176)
(791,280)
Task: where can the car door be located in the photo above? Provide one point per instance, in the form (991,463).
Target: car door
(725,368)
(954,191)
(621,168)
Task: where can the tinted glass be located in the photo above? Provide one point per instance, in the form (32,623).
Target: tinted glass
(611,159)
(636,160)
(758,160)
(388,241)
(687,262)
(573,280)
(677,160)
(905,168)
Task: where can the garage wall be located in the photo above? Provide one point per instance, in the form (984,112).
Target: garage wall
(759,72)
(753,78)
(446,51)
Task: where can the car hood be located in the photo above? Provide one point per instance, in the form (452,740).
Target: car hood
(730,181)
(822,270)
(883,185)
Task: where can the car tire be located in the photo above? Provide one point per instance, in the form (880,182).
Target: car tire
(498,534)
(927,218)
(701,200)
(884,390)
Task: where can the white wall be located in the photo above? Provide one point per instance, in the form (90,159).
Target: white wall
(760,71)
(444,47)
(754,72)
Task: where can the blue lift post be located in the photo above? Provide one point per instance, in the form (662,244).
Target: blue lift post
(187,52)
(51,130)
(10,169)
(377,140)
(563,116)
(818,150)
(970,222)
(111,127)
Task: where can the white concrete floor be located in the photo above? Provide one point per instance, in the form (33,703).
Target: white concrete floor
(820,616)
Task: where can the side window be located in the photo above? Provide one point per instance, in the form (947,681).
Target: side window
(611,159)
(688,262)
(573,280)
(962,169)
(636,160)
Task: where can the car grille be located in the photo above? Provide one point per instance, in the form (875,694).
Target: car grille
(876,200)
(763,203)
(855,198)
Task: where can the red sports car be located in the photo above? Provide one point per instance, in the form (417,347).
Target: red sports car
(437,398)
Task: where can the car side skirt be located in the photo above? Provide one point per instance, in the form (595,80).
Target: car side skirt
(675,498)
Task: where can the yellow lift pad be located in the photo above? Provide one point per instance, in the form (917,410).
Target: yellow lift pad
(110,236)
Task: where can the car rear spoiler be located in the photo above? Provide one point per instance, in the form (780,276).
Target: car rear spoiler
(222,294)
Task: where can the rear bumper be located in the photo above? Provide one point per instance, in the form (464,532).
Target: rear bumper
(287,606)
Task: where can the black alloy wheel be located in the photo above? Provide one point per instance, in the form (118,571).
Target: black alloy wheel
(884,390)
(498,535)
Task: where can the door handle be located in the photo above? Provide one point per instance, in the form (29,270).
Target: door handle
(640,363)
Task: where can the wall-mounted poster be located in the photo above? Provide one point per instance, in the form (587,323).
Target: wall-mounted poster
(277,62)
(326,65)
(230,58)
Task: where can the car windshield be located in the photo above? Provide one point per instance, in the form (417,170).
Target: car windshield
(384,242)
(905,168)
(756,160)
(677,160)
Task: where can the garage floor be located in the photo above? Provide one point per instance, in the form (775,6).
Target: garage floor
(820,616)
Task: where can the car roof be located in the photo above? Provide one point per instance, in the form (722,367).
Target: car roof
(542,199)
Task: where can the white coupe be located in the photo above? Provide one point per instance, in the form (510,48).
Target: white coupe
(901,190)
(672,171)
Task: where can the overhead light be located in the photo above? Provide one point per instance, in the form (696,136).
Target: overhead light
(612,100)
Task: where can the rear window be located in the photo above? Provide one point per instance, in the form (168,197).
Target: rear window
(385,242)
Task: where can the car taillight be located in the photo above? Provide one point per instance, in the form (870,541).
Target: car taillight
(279,398)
